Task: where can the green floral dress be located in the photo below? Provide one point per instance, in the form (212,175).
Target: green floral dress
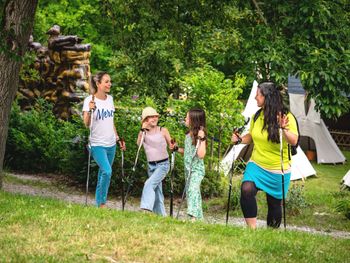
(194,198)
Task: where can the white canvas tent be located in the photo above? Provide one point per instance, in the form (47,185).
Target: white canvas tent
(301,167)
(312,125)
(346,180)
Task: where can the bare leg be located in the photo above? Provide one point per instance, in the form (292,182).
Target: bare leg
(251,222)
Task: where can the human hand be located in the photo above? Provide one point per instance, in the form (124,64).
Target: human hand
(201,134)
(92,105)
(122,144)
(283,121)
(145,124)
(236,138)
(173,145)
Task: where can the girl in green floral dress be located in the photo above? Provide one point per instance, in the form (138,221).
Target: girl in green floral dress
(194,164)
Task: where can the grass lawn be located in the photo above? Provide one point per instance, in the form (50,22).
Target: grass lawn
(34,229)
(321,195)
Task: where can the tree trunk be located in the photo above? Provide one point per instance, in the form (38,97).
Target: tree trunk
(15,29)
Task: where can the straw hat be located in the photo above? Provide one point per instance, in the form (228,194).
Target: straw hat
(148,111)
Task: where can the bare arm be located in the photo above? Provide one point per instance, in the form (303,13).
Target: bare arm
(86,118)
(87,114)
(246,139)
(139,137)
(181,151)
(290,137)
(116,134)
(167,137)
(202,145)
(202,149)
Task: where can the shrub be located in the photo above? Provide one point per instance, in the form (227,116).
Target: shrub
(38,142)
(296,200)
(343,202)
(343,206)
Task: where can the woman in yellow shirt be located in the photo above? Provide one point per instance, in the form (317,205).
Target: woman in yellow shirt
(263,171)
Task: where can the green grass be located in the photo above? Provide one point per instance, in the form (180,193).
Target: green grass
(34,229)
(322,194)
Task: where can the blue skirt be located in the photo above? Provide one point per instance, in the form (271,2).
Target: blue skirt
(270,183)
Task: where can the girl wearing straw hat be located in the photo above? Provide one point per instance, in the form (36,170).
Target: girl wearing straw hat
(154,140)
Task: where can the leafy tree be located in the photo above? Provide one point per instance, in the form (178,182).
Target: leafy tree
(17,17)
(307,38)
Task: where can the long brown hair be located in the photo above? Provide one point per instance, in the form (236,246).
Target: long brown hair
(197,120)
(96,78)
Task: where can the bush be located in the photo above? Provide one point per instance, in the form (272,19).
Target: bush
(38,142)
(343,202)
(343,207)
(296,200)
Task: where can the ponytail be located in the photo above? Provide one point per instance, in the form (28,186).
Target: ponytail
(94,79)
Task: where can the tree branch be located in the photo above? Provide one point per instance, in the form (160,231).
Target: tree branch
(261,14)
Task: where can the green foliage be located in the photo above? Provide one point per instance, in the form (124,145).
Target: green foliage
(311,39)
(150,48)
(38,142)
(343,202)
(208,89)
(235,197)
(28,73)
(296,200)
(343,206)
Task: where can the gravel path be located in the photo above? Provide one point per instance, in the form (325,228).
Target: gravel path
(78,197)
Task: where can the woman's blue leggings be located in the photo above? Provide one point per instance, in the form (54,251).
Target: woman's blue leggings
(104,157)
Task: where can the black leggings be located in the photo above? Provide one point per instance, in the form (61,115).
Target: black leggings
(250,209)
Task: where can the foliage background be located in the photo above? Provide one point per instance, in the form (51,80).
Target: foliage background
(175,55)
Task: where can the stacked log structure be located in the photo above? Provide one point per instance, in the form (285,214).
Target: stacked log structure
(63,70)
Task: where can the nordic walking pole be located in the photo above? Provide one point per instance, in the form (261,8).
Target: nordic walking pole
(237,132)
(230,182)
(282,170)
(172,168)
(123,193)
(188,177)
(134,167)
(89,146)
(138,151)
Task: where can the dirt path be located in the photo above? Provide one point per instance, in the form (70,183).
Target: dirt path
(48,189)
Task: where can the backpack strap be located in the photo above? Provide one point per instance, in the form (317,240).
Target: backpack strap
(257,114)
(297,144)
